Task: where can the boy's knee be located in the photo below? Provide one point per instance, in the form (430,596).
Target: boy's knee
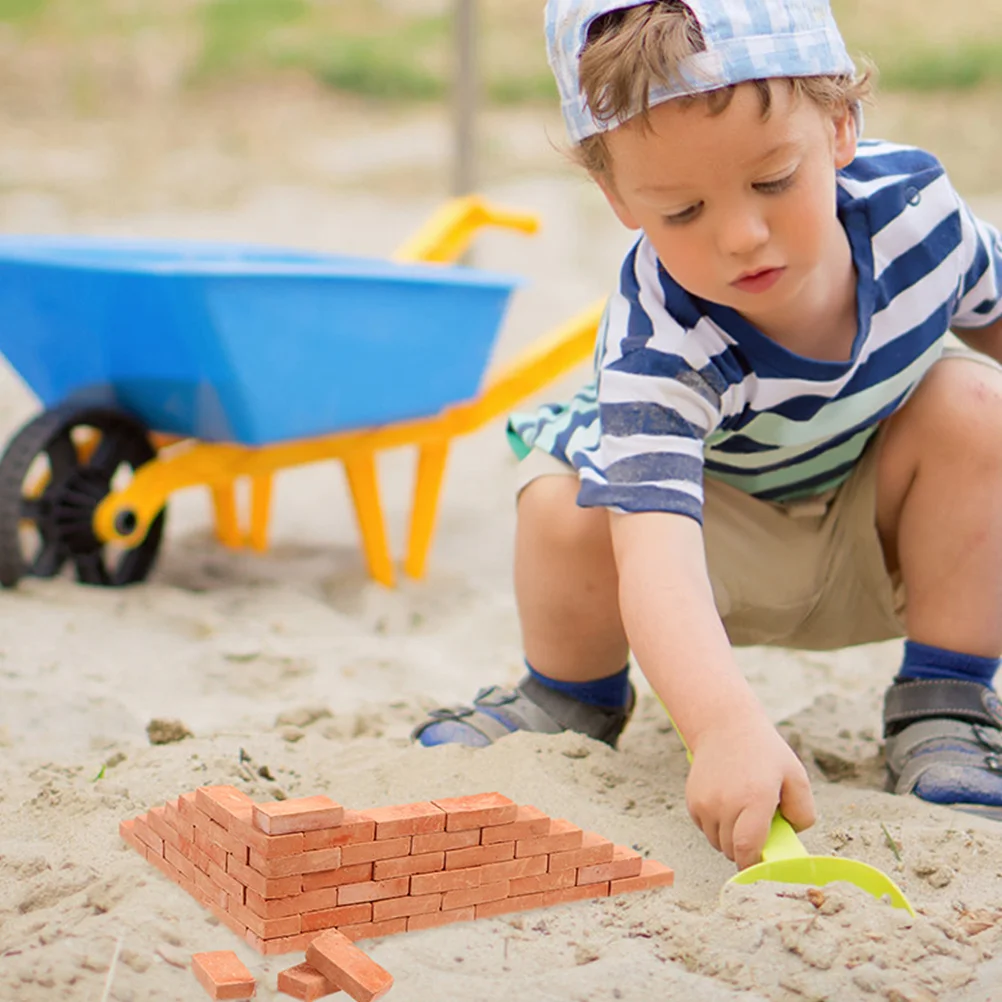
(548,508)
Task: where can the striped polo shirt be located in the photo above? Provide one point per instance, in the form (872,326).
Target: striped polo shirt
(686,388)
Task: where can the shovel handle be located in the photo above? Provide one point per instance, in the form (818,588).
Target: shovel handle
(782,842)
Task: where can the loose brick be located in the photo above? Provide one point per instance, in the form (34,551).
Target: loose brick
(335,878)
(332,918)
(652,874)
(434,919)
(338,959)
(478,811)
(301,814)
(127,829)
(224,804)
(222,975)
(448,880)
(577,893)
(422,818)
(369,852)
(594,850)
(562,837)
(374,930)
(626,862)
(373,890)
(530,822)
(406,866)
(275,928)
(288,866)
(480,855)
(147,835)
(475,896)
(305,983)
(543,882)
(404,907)
(276,947)
(354,828)
(444,841)
(529,866)
(308,901)
(267,887)
(523,903)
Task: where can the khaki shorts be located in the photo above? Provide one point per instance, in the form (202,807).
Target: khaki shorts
(806,574)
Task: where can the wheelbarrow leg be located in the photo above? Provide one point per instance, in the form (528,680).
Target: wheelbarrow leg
(360,468)
(260,511)
(427,489)
(224,501)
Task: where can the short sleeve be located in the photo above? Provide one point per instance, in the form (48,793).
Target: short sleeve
(979,296)
(659,396)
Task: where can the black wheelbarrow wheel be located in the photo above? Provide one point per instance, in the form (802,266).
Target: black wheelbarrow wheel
(54,473)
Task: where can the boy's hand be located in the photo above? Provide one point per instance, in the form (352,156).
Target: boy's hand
(740,774)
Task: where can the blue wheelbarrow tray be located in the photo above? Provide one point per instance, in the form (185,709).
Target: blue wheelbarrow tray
(236,343)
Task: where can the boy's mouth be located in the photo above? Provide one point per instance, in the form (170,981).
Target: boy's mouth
(760,280)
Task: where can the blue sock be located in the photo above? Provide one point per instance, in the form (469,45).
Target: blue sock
(923,661)
(613,691)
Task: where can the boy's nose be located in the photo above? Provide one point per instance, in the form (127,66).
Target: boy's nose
(742,233)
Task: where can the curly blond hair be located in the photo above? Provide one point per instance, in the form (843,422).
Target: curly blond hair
(629,51)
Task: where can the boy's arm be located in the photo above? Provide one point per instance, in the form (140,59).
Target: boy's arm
(741,768)
(987,340)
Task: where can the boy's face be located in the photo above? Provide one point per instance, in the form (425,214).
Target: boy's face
(741,210)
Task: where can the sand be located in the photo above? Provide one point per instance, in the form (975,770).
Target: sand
(296,675)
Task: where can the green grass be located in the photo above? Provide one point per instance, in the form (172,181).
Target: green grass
(971,64)
(21,10)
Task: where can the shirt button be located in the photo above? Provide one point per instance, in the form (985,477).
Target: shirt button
(913,196)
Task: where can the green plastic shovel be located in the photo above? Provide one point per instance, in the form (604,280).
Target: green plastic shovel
(786,861)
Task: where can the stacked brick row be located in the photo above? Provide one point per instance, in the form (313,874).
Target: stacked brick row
(279,874)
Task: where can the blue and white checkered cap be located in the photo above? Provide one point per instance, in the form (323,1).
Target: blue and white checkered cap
(745,40)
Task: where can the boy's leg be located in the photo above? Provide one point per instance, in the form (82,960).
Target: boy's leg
(939,517)
(576,651)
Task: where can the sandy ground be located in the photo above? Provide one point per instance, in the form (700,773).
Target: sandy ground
(293,666)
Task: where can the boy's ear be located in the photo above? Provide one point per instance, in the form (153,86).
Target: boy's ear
(845,138)
(613,198)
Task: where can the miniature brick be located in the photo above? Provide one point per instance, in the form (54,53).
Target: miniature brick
(231,923)
(406,866)
(180,863)
(308,901)
(652,874)
(156,819)
(407,819)
(305,983)
(434,919)
(172,815)
(267,887)
(289,866)
(481,855)
(405,907)
(626,862)
(355,874)
(303,814)
(355,827)
(274,928)
(562,837)
(478,811)
(222,975)
(374,930)
(269,846)
(529,866)
(146,835)
(543,881)
(445,841)
(213,850)
(476,895)
(578,893)
(212,891)
(448,880)
(369,852)
(523,903)
(373,890)
(594,850)
(217,835)
(338,959)
(224,804)
(276,947)
(530,822)
(152,856)
(127,829)
(332,918)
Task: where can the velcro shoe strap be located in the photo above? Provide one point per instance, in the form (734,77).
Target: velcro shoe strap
(919,699)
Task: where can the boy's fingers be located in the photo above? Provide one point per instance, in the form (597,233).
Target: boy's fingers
(750,831)
(797,802)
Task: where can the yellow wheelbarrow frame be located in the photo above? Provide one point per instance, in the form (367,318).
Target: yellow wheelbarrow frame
(125,516)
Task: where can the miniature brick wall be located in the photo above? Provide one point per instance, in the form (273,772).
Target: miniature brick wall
(279,874)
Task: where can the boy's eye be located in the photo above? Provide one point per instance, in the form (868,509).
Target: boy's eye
(774,187)
(685,216)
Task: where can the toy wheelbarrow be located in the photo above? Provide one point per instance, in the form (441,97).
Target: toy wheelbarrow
(170,365)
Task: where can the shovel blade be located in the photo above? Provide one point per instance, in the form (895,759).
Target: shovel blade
(820,870)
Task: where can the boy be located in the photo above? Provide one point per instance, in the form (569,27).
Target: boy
(778,448)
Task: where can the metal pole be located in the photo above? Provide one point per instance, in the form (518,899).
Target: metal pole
(465,99)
